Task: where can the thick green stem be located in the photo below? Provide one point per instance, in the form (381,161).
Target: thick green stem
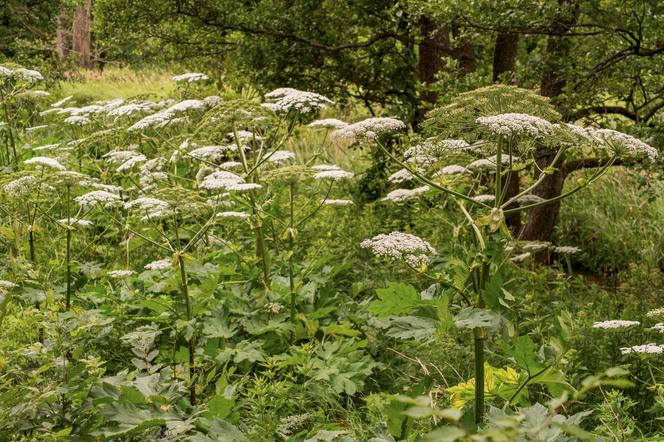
(190,342)
(479,374)
(68,256)
(291,233)
(10,125)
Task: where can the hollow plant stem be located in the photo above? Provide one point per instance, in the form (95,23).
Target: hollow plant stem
(291,241)
(480,335)
(68,254)
(190,342)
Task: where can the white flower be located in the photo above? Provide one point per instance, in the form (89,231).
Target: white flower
(129,109)
(659,327)
(119,156)
(213,100)
(29,75)
(230,165)
(400,176)
(63,101)
(90,199)
(325,167)
(529,199)
(453,169)
(521,257)
(512,124)
(244,136)
(482,164)
(75,222)
(21,186)
(77,120)
(646,348)
(243,187)
(656,313)
(400,195)
(119,274)
(190,77)
(131,162)
(431,150)
(369,129)
(337,202)
(400,246)
(7,285)
(630,145)
(334,175)
(327,123)
(220,180)
(45,162)
(279,156)
(187,105)
(209,153)
(46,147)
(288,99)
(36,128)
(535,246)
(566,250)
(484,198)
(152,207)
(106,187)
(615,324)
(161,264)
(238,215)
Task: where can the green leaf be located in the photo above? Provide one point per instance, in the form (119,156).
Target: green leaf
(444,434)
(412,327)
(394,300)
(471,318)
(525,355)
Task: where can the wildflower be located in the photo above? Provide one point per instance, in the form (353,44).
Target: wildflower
(656,313)
(244,136)
(482,164)
(615,324)
(400,176)
(120,274)
(566,250)
(337,202)
(106,187)
(484,198)
(129,109)
(280,156)
(103,197)
(153,207)
(77,120)
(213,100)
(431,150)
(28,75)
(238,215)
(209,153)
(646,348)
(626,143)
(327,123)
(21,186)
(535,246)
(453,169)
(521,257)
(369,129)
(243,187)
(161,264)
(36,128)
(273,307)
(400,246)
(7,285)
(46,147)
(400,195)
(75,222)
(659,327)
(63,101)
(325,167)
(131,162)
(230,165)
(45,162)
(529,199)
(288,99)
(334,175)
(190,77)
(514,124)
(220,179)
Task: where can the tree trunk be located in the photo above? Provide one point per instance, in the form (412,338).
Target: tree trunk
(463,52)
(504,54)
(81,34)
(61,37)
(435,45)
(542,220)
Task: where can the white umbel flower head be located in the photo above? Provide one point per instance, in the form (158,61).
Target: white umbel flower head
(327,123)
(452,169)
(656,313)
(161,264)
(77,120)
(529,199)
(190,77)
(121,274)
(629,145)
(400,195)
(45,162)
(659,327)
(7,285)
(615,324)
(324,167)
(400,246)
(331,202)
(131,162)
(280,156)
(369,129)
(484,198)
(220,180)
(521,257)
(400,176)
(71,222)
(28,75)
(231,214)
(101,197)
(333,175)
(566,250)
(651,348)
(515,124)
(21,186)
(153,208)
(284,100)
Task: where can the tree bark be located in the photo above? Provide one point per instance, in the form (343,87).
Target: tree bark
(81,34)
(542,220)
(504,54)
(435,45)
(61,36)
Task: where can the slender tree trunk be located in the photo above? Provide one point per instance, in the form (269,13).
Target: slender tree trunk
(82,35)
(61,37)
(504,54)
(434,47)
(542,220)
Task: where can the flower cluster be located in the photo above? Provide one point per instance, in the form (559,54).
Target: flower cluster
(285,100)
(615,324)
(101,197)
(626,144)
(331,202)
(190,77)
(327,123)
(369,129)
(45,162)
(400,246)
(646,348)
(515,124)
(566,250)
(400,176)
(400,195)
(161,264)
(333,175)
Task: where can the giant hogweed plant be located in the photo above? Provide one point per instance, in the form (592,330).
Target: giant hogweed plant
(477,177)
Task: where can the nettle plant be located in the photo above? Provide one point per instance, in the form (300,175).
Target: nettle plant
(477,175)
